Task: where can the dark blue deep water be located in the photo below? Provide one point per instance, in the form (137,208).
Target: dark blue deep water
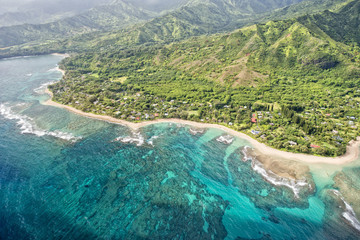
(64,176)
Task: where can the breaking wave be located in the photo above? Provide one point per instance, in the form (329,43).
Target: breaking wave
(55,69)
(136,138)
(151,140)
(271,177)
(28,127)
(349,213)
(246,154)
(227,139)
(194,131)
(42,88)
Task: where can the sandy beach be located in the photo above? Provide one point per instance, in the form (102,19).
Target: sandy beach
(65,55)
(352,152)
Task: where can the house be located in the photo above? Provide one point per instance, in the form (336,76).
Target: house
(253,120)
(292,143)
(156,114)
(314,146)
(255,132)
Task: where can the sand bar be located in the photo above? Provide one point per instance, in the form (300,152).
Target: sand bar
(352,151)
(65,55)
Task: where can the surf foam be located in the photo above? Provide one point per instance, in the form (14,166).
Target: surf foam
(135,138)
(196,131)
(151,140)
(349,213)
(42,88)
(28,127)
(245,153)
(271,177)
(226,139)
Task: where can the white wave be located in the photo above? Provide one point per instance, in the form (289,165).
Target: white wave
(196,131)
(42,88)
(29,74)
(151,140)
(135,138)
(246,154)
(55,69)
(27,126)
(227,139)
(349,213)
(294,185)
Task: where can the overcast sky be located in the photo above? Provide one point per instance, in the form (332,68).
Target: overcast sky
(48,5)
(74,5)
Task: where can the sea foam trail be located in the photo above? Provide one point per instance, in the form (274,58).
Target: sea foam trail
(227,139)
(349,213)
(27,127)
(246,154)
(294,185)
(55,69)
(138,139)
(135,138)
(42,88)
(196,131)
(151,140)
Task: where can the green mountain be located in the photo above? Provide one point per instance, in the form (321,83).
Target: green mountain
(191,20)
(101,18)
(335,24)
(297,81)
(158,5)
(39,11)
(195,18)
(203,17)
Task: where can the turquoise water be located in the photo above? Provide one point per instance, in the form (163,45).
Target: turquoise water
(63,176)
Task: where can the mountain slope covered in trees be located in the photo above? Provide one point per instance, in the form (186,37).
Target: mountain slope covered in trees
(102,18)
(195,18)
(174,26)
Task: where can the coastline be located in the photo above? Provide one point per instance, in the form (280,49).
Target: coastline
(60,70)
(352,150)
(65,55)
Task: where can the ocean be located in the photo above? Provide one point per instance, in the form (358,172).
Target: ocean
(65,176)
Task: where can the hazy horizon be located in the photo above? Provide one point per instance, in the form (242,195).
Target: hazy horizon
(74,5)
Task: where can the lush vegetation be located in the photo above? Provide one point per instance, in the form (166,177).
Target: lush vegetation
(100,28)
(101,18)
(290,84)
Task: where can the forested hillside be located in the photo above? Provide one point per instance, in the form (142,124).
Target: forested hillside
(102,18)
(292,84)
(17,12)
(191,20)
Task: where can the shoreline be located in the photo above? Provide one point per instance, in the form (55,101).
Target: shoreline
(60,70)
(65,55)
(352,149)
